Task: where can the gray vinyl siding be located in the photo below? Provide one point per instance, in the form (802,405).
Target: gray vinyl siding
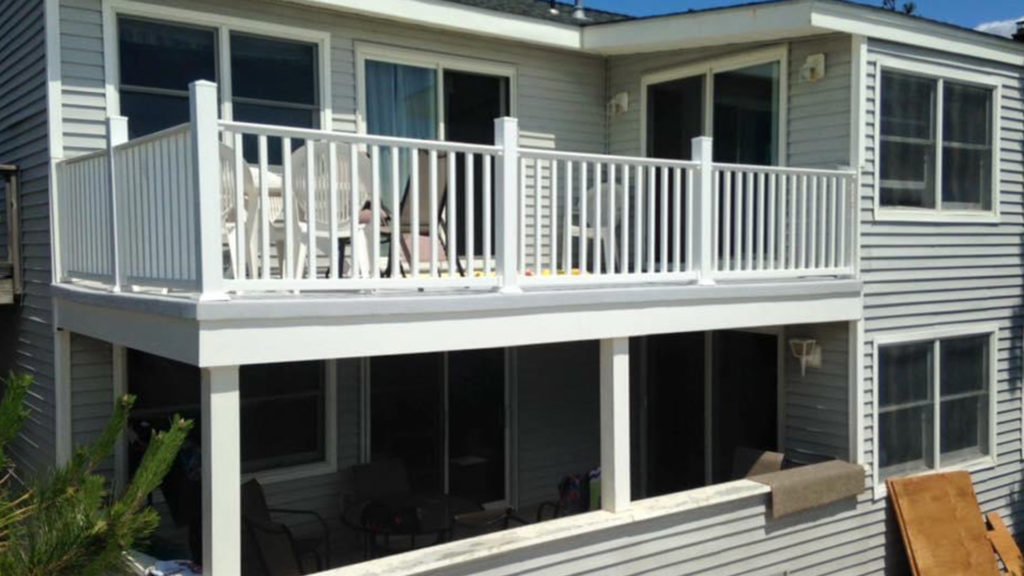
(92,390)
(934,275)
(819,114)
(817,403)
(559,428)
(27,342)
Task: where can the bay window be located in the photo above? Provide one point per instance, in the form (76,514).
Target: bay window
(936,144)
(935,402)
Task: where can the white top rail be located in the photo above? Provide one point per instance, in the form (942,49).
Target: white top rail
(604,158)
(784,170)
(354,138)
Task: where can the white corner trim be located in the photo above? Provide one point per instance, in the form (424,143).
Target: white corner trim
(54,123)
(223,26)
(933,334)
(941,73)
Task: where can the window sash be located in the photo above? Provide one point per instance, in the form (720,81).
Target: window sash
(984,447)
(988,196)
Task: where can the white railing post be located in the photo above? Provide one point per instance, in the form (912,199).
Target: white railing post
(703,231)
(506,213)
(117,134)
(206,148)
(221,472)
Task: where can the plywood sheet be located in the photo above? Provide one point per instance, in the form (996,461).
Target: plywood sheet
(1005,546)
(942,526)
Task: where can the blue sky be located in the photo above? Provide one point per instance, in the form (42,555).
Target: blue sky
(969,13)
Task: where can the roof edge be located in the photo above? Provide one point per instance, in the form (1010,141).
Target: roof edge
(461,18)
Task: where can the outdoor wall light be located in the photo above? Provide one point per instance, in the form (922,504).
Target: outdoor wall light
(807,351)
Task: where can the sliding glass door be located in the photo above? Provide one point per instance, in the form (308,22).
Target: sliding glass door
(743,116)
(443,416)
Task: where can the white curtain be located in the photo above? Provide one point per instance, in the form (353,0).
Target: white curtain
(400,101)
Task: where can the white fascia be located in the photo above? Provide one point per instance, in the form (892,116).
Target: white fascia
(742,24)
(461,18)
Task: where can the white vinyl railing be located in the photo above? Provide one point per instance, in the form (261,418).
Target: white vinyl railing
(213,207)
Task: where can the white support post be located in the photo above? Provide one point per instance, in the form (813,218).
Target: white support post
(506,209)
(62,394)
(222,508)
(703,220)
(206,148)
(615,445)
(117,134)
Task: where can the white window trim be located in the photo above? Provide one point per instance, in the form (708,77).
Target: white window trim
(927,335)
(224,25)
(941,73)
(708,68)
(433,60)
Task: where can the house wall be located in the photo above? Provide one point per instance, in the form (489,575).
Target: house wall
(819,114)
(26,343)
(92,391)
(557,399)
(816,404)
(922,276)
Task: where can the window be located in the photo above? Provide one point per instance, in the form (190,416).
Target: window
(737,101)
(273,81)
(936,143)
(284,408)
(158,62)
(935,400)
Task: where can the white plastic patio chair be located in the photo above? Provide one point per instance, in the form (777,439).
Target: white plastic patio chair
(229,215)
(357,253)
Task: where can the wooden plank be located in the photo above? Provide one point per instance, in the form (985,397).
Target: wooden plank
(1004,545)
(941,524)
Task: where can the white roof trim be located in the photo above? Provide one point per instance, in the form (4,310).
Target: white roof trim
(882,25)
(708,28)
(461,18)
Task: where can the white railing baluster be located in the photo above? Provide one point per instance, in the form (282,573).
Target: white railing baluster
(841,258)
(311,207)
(470,213)
(487,211)
(567,221)
(609,236)
(772,216)
(833,241)
(804,252)
(759,222)
(598,193)
(553,231)
(748,193)
(395,238)
(538,178)
(375,219)
(264,208)
(288,266)
(624,222)
(521,221)
(354,209)
(727,226)
(638,236)
(583,217)
(663,224)
(433,223)
(652,184)
(677,218)
(414,213)
(333,207)
(451,217)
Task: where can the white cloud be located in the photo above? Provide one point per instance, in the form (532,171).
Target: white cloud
(1001,27)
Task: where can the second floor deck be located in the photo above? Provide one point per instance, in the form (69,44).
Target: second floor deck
(217,210)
